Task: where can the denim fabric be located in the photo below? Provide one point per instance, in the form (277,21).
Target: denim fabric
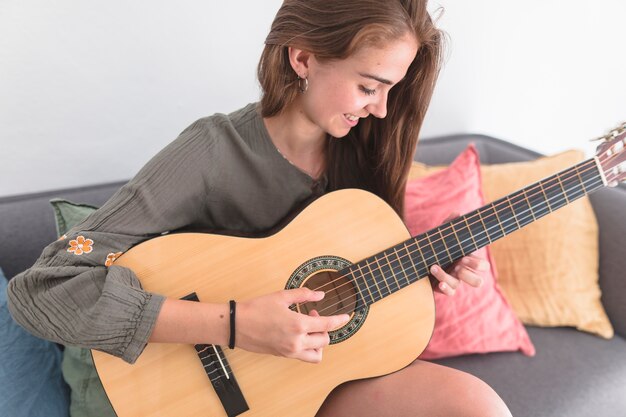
(31,384)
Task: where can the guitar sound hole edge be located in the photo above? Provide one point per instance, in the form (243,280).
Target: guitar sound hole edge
(342,295)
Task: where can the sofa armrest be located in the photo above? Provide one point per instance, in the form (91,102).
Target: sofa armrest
(608,205)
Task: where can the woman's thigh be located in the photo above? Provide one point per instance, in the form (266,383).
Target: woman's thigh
(421,389)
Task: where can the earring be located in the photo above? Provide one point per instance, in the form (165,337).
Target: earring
(303,86)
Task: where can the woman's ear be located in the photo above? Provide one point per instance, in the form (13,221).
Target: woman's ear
(299,60)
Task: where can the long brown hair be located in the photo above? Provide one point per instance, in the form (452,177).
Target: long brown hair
(376,155)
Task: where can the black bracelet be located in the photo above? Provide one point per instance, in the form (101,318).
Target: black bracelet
(233,308)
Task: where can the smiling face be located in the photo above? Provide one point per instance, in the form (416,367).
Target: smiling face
(343,91)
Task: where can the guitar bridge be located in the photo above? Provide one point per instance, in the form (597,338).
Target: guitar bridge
(220,374)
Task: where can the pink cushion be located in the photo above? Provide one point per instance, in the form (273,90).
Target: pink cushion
(474,320)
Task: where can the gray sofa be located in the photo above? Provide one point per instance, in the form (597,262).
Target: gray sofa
(573,374)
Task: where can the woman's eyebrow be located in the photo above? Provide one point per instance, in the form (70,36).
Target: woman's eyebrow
(374,77)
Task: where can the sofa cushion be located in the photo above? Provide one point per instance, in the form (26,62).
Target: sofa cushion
(549,269)
(88,395)
(68,213)
(573,374)
(474,320)
(30,370)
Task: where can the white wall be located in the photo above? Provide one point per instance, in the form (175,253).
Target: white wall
(548,75)
(89,91)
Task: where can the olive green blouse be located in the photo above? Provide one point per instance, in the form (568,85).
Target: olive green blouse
(222,174)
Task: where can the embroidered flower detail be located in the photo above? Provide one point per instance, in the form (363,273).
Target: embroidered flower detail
(80,245)
(111,257)
(62,237)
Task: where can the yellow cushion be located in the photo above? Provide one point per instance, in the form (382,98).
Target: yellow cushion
(548,269)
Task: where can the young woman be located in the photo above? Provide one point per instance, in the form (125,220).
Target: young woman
(346,86)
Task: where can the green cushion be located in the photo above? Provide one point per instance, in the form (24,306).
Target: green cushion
(68,214)
(88,398)
(87,394)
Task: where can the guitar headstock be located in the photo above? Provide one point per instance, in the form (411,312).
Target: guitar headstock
(612,155)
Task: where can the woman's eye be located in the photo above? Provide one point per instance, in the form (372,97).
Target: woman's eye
(367,91)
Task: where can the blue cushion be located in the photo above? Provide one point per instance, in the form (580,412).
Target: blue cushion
(31,383)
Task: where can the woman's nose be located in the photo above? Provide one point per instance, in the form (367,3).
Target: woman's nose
(378,108)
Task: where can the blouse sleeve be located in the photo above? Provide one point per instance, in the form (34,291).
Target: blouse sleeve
(74,296)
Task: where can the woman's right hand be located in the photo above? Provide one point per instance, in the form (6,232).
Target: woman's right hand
(266,325)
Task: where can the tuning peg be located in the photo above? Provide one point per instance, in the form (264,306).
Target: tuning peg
(612,133)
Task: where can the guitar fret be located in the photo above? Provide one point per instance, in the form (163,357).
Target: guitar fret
(460,244)
(422,269)
(391,270)
(530,206)
(380,268)
(453,243)
(558,177)
(437,249)
(493,228)
(582,182)
(540,185)
(380,293)
(395,252)
(521,207)
(409,252)
(462,236)
(363,286)
(445,245)
(401,260)
(477,228)
(590,177)
(486,230)
(574,186)
(428,251)
(380,277)
(395,266)
(537,200)
(502,211)
(508,201)
(556,198)
(358,287)
(371,282)
(498,220)
(469,232)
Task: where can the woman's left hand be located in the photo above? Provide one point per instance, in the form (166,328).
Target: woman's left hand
(468,269)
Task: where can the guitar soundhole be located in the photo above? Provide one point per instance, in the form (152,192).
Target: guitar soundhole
(340,298)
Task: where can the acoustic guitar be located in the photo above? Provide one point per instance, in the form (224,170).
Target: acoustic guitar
(353,246)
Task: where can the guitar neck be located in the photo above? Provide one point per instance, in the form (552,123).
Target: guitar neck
(393,269)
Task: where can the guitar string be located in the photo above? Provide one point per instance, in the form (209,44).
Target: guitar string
(556,181)
(412,274)
(480,219)
(217,369)
(458,246)
(477,215)
(502,225)
(403,269)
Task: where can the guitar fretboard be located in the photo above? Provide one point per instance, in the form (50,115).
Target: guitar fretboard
(393,269)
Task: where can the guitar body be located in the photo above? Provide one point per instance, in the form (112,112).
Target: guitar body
(169,379)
